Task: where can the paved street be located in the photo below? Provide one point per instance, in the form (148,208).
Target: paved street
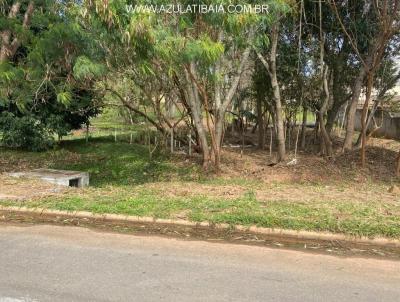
(50,263)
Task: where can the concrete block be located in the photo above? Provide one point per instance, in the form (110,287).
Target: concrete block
(58,177)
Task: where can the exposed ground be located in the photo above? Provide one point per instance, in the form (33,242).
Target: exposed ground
(26,189)
(334,195)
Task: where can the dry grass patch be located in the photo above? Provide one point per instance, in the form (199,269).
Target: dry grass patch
(192,189)
(12,188)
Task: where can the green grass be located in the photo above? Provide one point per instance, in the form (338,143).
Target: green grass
(125,181)
(247,210)
(117,164)
(310,116)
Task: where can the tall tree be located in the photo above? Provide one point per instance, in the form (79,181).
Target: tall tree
(369,41)
(269,62)
(46,72)
(204,55)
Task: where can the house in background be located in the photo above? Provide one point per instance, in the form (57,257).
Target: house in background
(386,117)
(387,120)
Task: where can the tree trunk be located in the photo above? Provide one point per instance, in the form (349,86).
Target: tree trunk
(271,69)
(326,140)
(331,117)
(398,165)
(316,129)
(364,118)
(197,117)
(351,113)
(219,124)
(260,122)
(219,134)
(277,96)
(369,120)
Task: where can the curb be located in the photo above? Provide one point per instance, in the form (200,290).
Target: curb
(290,234)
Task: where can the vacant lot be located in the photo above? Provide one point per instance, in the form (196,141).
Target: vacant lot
(316,194)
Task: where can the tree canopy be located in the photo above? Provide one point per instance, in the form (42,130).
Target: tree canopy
(62,61)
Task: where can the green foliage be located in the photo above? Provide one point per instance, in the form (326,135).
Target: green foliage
(49,82)
(64,98)
(203,50)
(85,68)
(24,132)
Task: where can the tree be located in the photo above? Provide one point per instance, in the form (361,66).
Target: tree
(12,32)
(204,55)
(386,78)
(47,72)
(261,94)
(270,64)
(384,17)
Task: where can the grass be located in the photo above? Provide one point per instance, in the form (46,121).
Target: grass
(310,117)
(125,181)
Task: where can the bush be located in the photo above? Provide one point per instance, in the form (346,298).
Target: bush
(24,132)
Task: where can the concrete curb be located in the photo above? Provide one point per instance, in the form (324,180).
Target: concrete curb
(290,234)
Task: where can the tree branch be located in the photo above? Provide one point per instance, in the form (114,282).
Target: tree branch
(137,111)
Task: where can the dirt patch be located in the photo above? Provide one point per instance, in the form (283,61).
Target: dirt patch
(311,167)
(17,161)
(313,178)
(188,189)
(256,164)
(23,189)
(336,194)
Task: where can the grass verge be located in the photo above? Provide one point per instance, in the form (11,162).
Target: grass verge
(125,181)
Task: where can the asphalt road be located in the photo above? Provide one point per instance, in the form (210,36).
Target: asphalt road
(49,263)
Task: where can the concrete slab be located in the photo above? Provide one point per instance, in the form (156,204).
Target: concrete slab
(59,177)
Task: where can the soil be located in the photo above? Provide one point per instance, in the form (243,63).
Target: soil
(311,166)
(312,178)
(12,188)
(176,189)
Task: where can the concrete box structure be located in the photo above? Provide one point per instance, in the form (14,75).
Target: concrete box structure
(58,177)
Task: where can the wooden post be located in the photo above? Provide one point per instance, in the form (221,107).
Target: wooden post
(172,140)
(297,141)
(398,165)
(343,120)
(190,142)
(130,139)
(270,142)
(87,133)
(115,135)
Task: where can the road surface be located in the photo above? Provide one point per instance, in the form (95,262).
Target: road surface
(51,263)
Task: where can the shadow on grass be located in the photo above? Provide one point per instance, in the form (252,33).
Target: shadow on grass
(109,163)
(119,163)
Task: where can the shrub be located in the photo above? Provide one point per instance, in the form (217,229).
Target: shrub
(24,132)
